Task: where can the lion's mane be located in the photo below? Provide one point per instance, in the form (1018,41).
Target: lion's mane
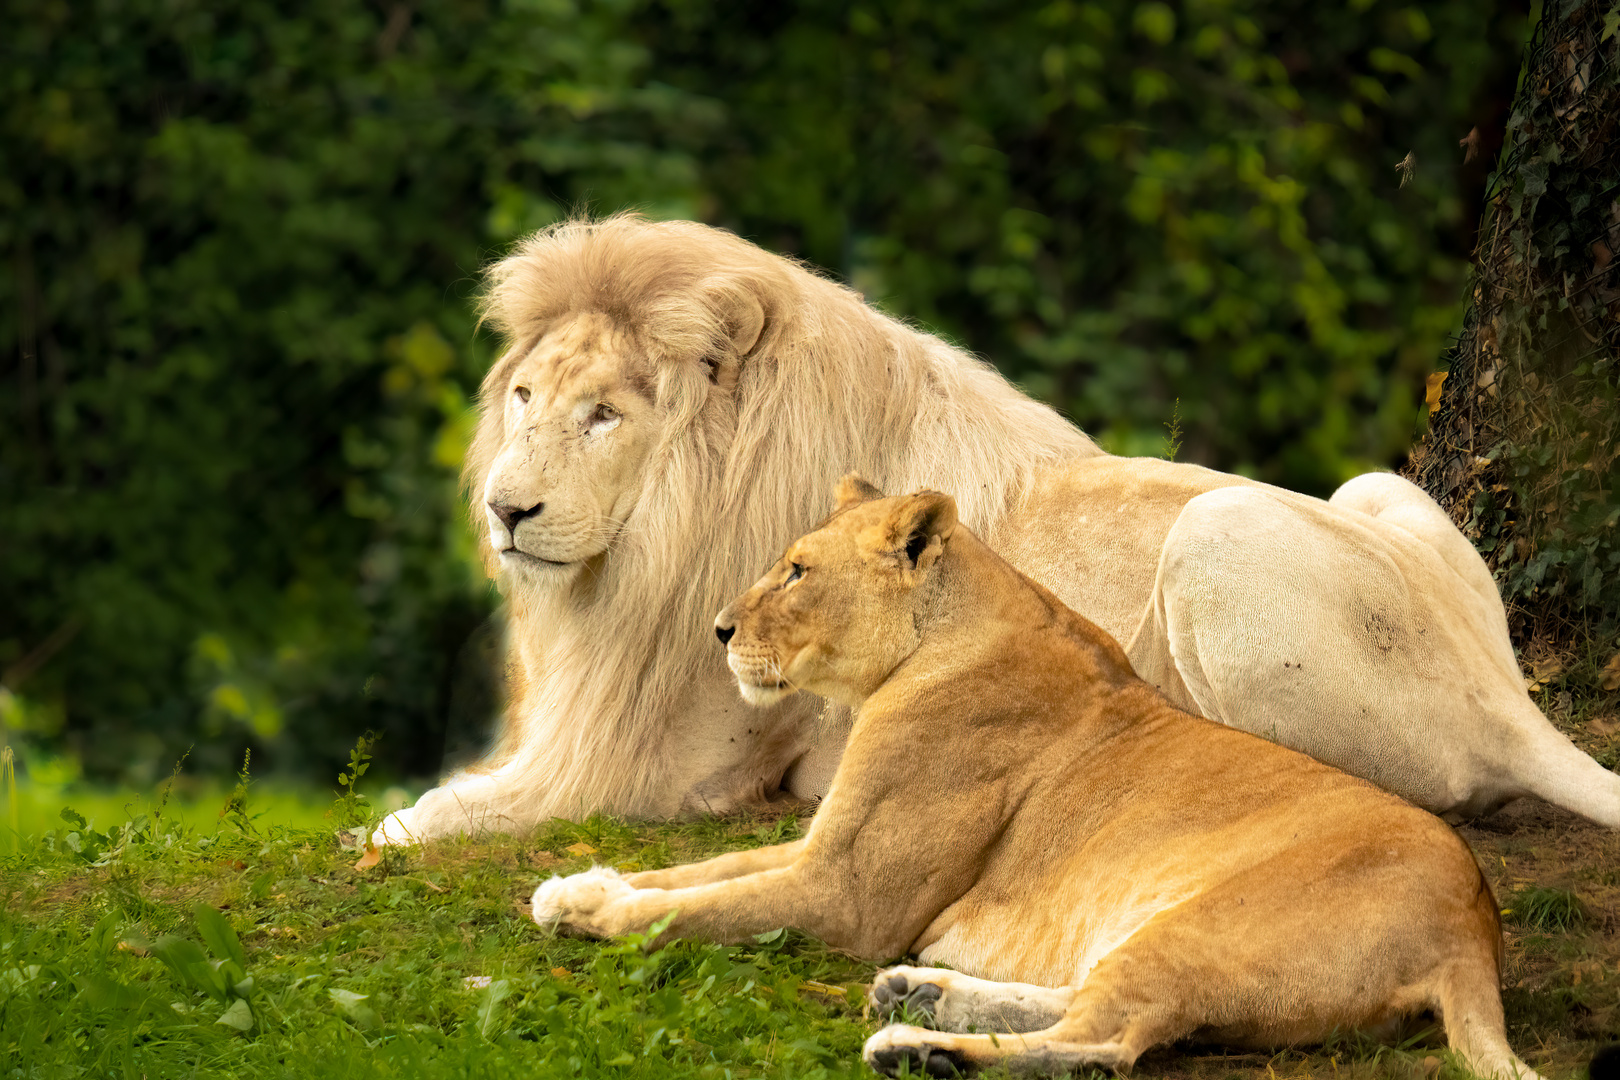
(754,442)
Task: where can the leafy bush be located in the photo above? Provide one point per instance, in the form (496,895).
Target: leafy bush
(238,242)
(1128,203)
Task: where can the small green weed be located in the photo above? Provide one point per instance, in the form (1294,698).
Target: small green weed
(8,780)
(1549,910)
(351,808)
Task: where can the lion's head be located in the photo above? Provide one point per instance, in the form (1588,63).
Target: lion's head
(842,608)
(578,419)
(611,357)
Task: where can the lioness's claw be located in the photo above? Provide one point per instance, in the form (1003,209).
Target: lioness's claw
(901,1044)
(894,993)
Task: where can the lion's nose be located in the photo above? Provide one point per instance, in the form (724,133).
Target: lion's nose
(723,632)
(511,515)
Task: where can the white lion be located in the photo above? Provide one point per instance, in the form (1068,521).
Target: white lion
(674,404)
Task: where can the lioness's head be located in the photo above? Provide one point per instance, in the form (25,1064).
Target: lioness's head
(843,606)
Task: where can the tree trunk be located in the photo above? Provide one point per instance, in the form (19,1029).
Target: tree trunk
(1522,443)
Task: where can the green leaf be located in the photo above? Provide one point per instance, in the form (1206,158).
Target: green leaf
(489,1009)
(104,992)
(216,931)
(354,1006)
(238,1016)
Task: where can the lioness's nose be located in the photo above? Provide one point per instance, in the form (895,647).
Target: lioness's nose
(511,515)
(723,629)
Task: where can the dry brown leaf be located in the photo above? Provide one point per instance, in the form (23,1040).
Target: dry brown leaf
(371,858)
(1609,678)
(561,973)
(826,990)
(542,860)
(1431,396)
(1603,725)
(580,848)
(1542,672)
(1470,143)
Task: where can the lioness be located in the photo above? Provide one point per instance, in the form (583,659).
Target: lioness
(1105,872)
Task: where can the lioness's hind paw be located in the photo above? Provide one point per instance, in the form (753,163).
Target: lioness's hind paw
(898,991)
(900,1046)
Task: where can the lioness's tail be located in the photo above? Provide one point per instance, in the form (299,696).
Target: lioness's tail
(1470,1005)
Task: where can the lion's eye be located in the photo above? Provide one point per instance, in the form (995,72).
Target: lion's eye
(795,575)
(604,413)
(522,393)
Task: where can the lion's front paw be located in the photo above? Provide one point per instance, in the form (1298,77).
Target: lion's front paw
(912,1049)
(397,829)
(572,900)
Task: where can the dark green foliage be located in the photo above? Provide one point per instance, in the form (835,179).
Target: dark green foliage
(239,240)
(1125,203)
(238,243)
(1525,448)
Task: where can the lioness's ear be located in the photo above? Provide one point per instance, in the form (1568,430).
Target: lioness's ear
(919,526)
(852,490)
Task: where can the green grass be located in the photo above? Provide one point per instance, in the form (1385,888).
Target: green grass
(152,937)
(192,945)
(194,805)
(1538,907)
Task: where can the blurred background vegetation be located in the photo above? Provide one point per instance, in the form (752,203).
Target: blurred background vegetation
(238,242)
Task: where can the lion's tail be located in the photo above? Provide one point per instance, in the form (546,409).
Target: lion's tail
(1550,766)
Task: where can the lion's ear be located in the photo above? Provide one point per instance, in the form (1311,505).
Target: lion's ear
(746,323)
(852,490)
(918,528)
(743,318)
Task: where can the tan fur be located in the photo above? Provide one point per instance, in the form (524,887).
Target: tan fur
(1363,630)
(1105,872)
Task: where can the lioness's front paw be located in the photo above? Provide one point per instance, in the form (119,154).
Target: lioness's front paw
(573,899)
(888,1049)
(905,992)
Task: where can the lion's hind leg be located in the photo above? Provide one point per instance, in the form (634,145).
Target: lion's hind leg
(950,1001)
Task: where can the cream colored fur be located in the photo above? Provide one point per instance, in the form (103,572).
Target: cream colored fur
(745,385)
(618,699)
(1106,873)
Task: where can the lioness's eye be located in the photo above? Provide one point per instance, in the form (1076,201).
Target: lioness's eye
(795,575)
(604,412)
(522,393)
